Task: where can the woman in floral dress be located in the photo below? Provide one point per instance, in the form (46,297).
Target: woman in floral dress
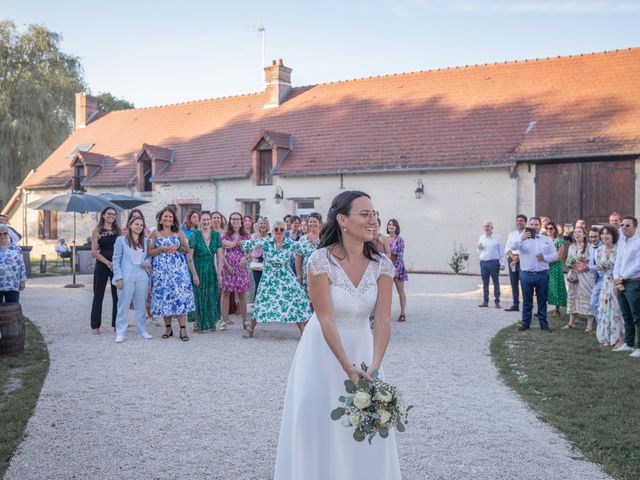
(579,291)
(314,223)
(557,291)
(234,274)
(610,329)
(280,297)
(206,245)
(171,290)
(397,257)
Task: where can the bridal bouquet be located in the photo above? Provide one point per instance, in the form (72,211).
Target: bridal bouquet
(371,408)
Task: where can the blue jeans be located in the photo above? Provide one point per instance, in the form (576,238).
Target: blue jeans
(514,279)
(9,296)
(490,269)
(595,297)
(538,282)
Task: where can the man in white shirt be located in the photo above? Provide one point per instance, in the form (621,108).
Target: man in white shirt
(626,275)
(513,259)
(491,253)
(536,253)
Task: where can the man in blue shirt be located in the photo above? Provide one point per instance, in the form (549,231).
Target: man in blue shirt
(536,253)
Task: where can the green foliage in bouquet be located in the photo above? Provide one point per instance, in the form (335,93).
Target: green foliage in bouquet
(459,259)
(371,408)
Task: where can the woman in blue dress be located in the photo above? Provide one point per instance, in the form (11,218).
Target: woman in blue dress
(171,290)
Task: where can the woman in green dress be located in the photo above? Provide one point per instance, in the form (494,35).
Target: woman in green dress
(206,245)
(280,297)
(557,291)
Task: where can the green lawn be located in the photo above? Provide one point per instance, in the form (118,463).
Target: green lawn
(589,393)
(54,268)
(21,377)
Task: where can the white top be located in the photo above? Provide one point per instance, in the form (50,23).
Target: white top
(491,247)
(137,255)
(61,248)
(511,240)
(530,248)
(627,258)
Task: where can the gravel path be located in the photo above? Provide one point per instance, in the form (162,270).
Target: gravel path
(210,408)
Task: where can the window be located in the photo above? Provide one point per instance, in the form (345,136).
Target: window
(252,209)
(304,207)
(47,224)
(78,178)
(264,167)
(146,175)
(185,207)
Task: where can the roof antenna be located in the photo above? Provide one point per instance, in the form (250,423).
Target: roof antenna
(260,30)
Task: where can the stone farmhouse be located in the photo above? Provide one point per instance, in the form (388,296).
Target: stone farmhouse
(440,150)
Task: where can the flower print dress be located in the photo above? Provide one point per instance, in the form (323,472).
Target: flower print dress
(171,289)
(236,280)
(280,298)
(610,322)
(397,257)
(12,269)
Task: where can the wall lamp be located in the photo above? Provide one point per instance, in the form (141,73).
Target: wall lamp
(420,189)
(279,196)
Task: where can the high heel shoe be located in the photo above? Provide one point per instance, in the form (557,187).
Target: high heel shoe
(165,334)
(185,337)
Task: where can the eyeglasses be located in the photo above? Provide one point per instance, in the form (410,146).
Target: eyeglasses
(278,229)
(549,228)
(4,234)
(626,225)
(368,214)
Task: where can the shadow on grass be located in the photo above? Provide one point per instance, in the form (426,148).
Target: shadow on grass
(21,378)
(581,388)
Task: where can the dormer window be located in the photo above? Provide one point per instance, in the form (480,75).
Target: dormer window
(152,161)
(83,167)
(146,174)
(78,178)
(264,167)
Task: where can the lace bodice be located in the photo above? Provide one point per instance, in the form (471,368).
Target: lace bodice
(352,304)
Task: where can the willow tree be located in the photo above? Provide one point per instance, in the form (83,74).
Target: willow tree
(37,85)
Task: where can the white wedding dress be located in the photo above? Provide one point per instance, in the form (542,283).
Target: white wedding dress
(312,446)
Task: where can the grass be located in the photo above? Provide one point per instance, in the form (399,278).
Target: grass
(581,388)
(21,378)
(54,268)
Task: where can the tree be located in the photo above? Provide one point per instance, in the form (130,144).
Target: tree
(37,86)
(109,103)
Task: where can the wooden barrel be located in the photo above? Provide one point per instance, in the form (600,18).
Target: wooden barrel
(11,328)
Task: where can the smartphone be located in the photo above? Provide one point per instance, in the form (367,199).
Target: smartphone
(532,231)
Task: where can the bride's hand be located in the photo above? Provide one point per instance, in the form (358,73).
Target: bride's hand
(354,373)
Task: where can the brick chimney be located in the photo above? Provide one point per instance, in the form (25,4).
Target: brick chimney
(277,83)
(86,106)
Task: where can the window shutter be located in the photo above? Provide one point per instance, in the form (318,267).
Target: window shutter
(41,224)
(54,225)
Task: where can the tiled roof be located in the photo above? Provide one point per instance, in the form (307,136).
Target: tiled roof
(486,115)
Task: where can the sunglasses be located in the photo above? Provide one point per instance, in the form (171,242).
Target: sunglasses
(278,229)
(626,225)
(4,234)
(549,228)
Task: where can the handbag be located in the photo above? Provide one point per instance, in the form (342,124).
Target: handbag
(572,276)
(256,265)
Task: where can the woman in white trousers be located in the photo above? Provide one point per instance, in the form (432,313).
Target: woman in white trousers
(131,277)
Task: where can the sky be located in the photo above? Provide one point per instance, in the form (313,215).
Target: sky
(161,52)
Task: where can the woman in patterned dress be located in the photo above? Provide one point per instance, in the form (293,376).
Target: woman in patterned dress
(396,247)
(280,297)
(579,292)
(234,274)
(205,245)
(557,291)
(610,329)
(171,290)
(314,223)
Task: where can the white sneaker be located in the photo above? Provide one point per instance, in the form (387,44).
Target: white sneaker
(145,335)
(623,348)
(119,339)
(635,354)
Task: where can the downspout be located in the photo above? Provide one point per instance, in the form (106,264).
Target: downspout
(217,195)
(513,173)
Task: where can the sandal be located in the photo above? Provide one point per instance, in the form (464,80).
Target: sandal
(401,318)
(222,326)
(568,326)
(165,334)
(185,337)
(248,333)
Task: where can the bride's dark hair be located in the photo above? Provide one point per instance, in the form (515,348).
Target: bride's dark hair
(331,233)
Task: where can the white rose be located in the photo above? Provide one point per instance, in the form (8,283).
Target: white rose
(354,420)
(384,416)
(383,397)
(362,400)
(400,406)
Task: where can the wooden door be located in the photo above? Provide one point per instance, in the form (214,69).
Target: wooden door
(566,192)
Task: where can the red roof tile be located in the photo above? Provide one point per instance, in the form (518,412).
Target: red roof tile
(484,115)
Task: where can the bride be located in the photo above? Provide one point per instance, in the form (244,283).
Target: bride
(347,279)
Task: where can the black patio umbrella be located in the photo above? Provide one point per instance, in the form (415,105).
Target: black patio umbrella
(74,202)
(125,201)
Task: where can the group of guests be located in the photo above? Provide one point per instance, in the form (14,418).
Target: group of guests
(594,273)
(200,271)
